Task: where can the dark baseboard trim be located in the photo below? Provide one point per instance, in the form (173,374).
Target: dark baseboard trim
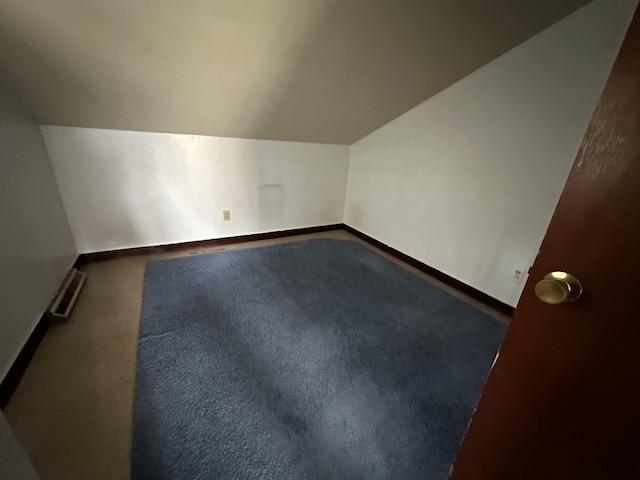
(12,379)
(468,290)
(87,258)
(76,264)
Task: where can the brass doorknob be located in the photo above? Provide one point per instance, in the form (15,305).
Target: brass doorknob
(558,287)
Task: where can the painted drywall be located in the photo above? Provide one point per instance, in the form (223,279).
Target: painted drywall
(327,71)
(127,189)
(14,464)
(467,181)
(36,247)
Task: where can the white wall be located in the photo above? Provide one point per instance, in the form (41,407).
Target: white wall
(127,189)
(14,464)
(467,181)
(36,248)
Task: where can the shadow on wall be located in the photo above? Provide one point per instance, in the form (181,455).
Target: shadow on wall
(335,38)
(275,96)
(329,36)
(17,53)
(316,71)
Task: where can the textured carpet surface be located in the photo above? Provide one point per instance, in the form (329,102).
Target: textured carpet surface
(308,360)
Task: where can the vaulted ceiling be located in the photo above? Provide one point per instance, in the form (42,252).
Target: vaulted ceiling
(328,71)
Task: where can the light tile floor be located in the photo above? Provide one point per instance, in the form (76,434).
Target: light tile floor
(72,411)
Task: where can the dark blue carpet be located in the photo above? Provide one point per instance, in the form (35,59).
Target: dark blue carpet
(309,360)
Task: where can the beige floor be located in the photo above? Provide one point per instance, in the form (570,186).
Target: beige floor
(73,408)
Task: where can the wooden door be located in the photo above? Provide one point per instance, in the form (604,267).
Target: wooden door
(563,398)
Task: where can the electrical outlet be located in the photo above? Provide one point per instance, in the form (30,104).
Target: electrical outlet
(517,276)
(226,215)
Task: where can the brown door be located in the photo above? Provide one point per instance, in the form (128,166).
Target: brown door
(563,398)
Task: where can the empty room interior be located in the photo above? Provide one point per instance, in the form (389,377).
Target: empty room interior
(281,239)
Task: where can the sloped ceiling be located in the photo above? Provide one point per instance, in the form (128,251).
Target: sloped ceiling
(328,71)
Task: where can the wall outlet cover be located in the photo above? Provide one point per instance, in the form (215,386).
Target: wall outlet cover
(518,275)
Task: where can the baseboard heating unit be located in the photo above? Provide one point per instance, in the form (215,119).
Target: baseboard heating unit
(65,298)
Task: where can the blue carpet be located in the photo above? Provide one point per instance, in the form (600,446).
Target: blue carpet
(309,360)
